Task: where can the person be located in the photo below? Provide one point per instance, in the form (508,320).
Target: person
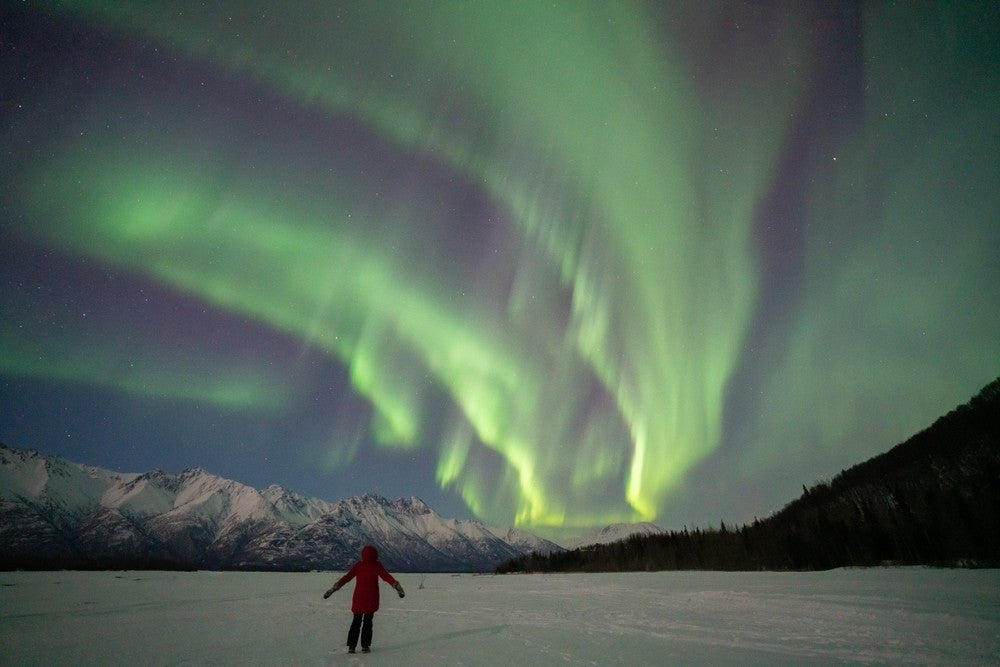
(364,603)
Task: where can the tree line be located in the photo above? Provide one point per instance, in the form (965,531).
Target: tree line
(931,500)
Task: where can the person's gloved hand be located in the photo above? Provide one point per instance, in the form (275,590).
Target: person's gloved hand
(330,591)
(399,589)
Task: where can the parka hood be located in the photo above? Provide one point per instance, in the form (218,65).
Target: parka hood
(369,554)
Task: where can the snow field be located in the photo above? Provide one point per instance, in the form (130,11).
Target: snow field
(884,615)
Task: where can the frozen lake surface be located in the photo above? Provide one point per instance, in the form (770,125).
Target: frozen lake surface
(906,615)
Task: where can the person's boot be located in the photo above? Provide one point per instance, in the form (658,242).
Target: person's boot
(366,649)
(350,649)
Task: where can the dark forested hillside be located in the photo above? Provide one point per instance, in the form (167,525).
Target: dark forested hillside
(934,499)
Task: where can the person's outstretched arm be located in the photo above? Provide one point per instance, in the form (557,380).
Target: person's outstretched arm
(340,582)
(391,580)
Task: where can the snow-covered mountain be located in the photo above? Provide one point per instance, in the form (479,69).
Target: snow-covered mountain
(616,532)
(526,542)
(58,512)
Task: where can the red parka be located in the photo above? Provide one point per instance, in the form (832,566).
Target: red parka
(367,571)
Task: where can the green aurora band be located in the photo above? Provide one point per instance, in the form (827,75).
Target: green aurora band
(628,197)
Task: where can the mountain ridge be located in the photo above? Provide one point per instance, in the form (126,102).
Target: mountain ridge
(58,513)
(615,532)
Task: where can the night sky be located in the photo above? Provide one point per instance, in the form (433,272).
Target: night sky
(554,264)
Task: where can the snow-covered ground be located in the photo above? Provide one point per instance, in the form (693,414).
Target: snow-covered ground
(908,615)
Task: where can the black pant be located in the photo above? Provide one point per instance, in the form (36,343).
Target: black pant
(362,623)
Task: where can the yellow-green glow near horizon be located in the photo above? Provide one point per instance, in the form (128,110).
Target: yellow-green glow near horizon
(585,349)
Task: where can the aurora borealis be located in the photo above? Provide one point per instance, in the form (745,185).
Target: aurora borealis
(554,264)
